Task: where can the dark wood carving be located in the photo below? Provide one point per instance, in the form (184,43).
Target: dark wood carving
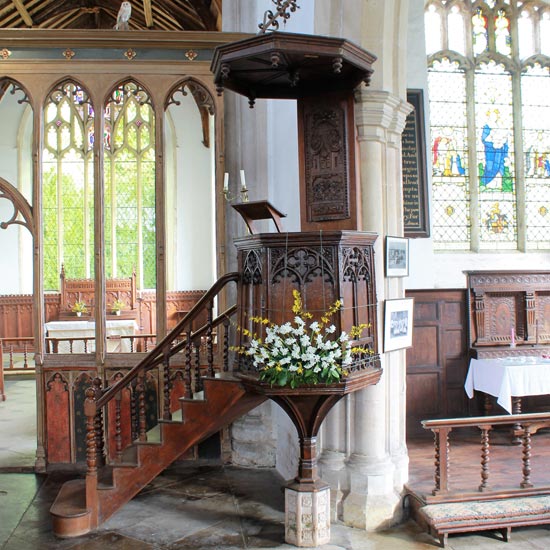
(504,301)
(327,141)
(302,264)
(322,266)
(81,384)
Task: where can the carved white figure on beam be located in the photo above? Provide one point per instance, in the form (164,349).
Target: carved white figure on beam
(123,16)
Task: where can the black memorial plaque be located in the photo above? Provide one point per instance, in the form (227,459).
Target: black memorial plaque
(413,143)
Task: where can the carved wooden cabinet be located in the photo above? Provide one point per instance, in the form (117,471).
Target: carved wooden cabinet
(506,306)
(323,266)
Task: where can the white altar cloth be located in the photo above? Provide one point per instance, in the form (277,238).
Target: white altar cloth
(508,377)
(86,329)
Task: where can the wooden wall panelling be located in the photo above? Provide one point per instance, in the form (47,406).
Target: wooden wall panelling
(502,300)
(58,418)
(16,310)
(437,362)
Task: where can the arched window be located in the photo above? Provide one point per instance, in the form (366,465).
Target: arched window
(129,183)
(67,174)
(489,92)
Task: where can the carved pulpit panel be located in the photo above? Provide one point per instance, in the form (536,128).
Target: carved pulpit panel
(327,150)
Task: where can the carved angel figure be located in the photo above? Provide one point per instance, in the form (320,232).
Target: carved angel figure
(123,16)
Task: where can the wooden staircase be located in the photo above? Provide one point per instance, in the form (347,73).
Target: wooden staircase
(83,504)
(208,403)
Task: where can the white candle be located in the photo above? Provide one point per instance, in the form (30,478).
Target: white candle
(226,182)
(243,182)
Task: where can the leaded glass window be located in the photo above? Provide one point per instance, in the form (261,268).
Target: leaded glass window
(67,173)
(129,156)
(489,91)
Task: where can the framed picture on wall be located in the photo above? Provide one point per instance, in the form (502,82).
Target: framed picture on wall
(397,257)
(398,323)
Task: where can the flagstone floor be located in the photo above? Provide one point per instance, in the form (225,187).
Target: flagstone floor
(198,506)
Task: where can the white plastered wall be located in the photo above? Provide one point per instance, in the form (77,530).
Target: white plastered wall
(16,168)
(190,198)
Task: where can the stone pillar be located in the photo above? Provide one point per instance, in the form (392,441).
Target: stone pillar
(307,517)
(332,461)
(378,463)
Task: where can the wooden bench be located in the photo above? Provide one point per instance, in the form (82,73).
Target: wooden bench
(500,514)
(83,290)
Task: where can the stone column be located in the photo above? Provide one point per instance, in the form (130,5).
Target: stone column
(378,461)
(334,442)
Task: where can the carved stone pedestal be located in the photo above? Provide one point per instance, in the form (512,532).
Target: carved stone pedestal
(307,516)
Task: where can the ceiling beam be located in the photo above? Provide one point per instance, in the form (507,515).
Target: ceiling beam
(148,10)
(20,7)
(204,11)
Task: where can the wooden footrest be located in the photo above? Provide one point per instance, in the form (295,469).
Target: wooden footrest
(502,514)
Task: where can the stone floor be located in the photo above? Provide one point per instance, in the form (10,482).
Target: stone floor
(190,507)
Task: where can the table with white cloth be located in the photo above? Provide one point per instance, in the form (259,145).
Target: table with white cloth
(78,331)
(509,377)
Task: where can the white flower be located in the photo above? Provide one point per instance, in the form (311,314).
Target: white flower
(330,330)
(343,337)
(314,326)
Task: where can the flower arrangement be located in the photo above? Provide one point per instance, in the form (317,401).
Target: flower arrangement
(79,307)
(117,306)
(302,352)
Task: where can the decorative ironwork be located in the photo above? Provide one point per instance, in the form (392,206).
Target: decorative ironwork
(252,268)
(356,264)
(303,264)
(284,9)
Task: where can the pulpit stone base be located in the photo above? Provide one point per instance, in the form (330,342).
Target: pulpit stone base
(307,517)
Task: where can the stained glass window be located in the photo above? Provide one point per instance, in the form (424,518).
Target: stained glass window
(129,149)
(67,173)
(490,124)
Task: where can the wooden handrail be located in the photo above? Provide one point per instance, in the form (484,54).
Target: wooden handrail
(523,425)
(496,420)
(165,347)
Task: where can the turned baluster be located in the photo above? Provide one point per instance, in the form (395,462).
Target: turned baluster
(167,413)
(188,352)
(91,441)
(526,458)
(441,444)
(517,429)
(198,379)
(142,424)
(485,448)
(118,428)
(25,363)
(210,341)
(226,326)
(133,411)
(99,428)
(10,355)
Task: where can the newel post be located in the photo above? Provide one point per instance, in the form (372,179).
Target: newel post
(90,410)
